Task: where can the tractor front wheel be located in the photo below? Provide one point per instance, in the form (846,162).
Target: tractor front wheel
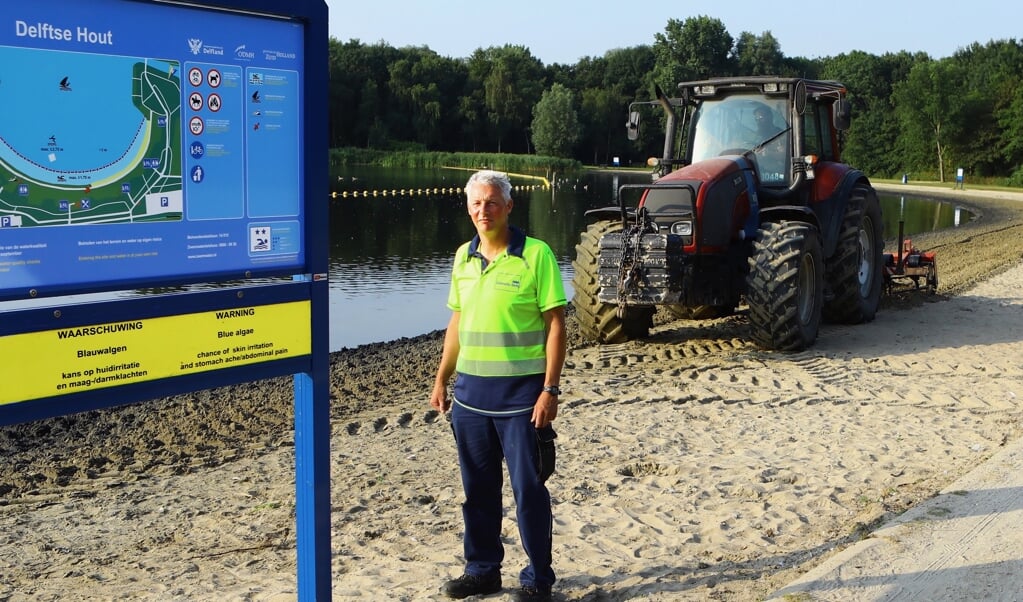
(785,286)
(598,321)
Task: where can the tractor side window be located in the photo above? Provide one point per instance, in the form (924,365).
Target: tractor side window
(811,130)
(817,134)
(827,141)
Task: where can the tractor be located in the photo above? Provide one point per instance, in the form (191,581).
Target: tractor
(750,205)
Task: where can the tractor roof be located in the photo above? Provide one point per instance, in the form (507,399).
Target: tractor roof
(764,83)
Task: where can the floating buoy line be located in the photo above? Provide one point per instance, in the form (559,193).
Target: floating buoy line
(414,192)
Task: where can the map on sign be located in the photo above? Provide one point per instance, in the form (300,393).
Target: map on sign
(88,139)
(135,155)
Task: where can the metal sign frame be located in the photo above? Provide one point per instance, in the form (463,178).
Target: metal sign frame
(304,295)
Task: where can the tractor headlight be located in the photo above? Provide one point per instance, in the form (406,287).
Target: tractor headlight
(682,228)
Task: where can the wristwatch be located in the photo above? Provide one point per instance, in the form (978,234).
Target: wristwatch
(554,390)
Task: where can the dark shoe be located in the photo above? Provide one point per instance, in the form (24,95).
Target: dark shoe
(472,585)
(528,593)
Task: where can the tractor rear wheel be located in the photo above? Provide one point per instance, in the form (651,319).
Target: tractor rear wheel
(785,286)
(598,321)
(854,272)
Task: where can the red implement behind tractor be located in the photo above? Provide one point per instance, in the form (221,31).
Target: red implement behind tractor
(910,264)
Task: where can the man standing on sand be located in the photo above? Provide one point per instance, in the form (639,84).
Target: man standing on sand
(506,341)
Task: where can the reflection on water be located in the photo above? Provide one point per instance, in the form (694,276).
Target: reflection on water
(390,256)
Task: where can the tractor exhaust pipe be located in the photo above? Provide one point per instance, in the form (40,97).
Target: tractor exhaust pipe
(669,138)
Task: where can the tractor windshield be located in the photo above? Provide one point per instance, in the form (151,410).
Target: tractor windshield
(736,124)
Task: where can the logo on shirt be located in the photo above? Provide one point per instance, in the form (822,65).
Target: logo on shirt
(507,283)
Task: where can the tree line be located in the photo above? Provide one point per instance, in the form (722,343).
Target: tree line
(912,114)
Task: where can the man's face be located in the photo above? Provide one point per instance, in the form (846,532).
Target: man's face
(488,209)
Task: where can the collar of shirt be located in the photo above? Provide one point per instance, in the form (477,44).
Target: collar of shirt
(516,245)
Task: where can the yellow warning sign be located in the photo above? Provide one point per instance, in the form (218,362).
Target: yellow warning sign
(71,360)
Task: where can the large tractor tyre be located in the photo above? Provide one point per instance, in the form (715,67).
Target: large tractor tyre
(598,321)
(855,272)
(785,286)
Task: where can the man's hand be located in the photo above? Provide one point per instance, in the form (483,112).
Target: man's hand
(545,410)
(439,398)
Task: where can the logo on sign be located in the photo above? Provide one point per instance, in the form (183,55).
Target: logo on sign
(242,53)
(259,239)
(195,45)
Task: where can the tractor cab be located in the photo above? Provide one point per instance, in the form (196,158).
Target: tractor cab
(783,126)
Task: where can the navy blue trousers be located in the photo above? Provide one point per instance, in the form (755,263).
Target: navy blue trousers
(483,441)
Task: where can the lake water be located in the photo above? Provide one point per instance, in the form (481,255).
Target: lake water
(390,254)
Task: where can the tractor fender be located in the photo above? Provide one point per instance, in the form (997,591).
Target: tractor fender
(791,213)
(832,187)
(605,213)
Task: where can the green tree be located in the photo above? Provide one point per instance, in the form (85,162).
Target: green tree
(993,76)
(930,104)
(698,48)
(426,87)
(555,123)
(759,55)
(357,91)
(512,81)
(872,143)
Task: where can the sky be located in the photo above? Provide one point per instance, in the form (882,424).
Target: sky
(563,31)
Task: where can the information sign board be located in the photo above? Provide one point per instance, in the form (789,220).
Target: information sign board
(152,143)
(143,143)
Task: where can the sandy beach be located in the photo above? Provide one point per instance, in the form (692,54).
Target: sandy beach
(691,466)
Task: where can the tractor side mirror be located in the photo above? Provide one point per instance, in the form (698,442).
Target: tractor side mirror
(843,114)
(799,97)
(632,127)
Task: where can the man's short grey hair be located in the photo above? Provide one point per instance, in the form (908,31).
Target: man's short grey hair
(489,177)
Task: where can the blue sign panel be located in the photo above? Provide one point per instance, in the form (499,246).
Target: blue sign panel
(145,144)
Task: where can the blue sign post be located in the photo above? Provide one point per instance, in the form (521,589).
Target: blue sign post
(166,144)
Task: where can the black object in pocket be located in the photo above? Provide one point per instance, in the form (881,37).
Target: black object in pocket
(545,452)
